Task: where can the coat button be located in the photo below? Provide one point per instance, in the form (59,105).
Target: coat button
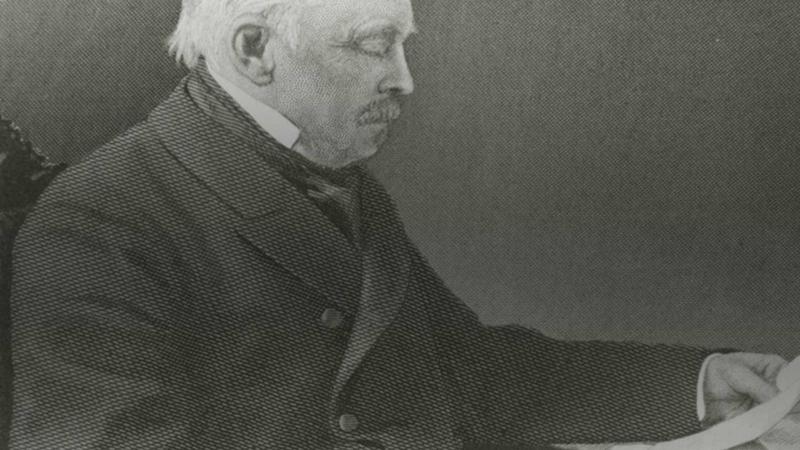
(332,318)
(348,423)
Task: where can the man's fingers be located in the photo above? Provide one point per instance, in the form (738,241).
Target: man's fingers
(766,364)
(774,366)
(745,381)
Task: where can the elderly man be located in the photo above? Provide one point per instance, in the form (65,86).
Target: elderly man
(226,274)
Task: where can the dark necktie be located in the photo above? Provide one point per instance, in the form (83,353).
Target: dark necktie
(337,199)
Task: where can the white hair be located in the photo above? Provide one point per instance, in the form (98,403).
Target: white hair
(204,25)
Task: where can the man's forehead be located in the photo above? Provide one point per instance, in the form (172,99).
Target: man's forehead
(375,14)
(404,4)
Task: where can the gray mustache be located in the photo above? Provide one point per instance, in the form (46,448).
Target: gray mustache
(380,111)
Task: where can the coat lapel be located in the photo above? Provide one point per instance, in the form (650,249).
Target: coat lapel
(285,225)
(386,272)
(302,240)
(276,218)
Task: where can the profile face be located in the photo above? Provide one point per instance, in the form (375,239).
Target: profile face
(346,78)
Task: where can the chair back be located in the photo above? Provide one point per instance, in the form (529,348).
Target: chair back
(24,174)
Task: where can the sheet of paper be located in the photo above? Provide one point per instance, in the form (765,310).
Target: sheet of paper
(770,421)
(785,435)
(789,375)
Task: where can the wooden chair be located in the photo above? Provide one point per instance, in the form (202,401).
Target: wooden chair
(24,174)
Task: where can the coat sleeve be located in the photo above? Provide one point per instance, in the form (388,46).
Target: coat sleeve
(98,362)
(515,386)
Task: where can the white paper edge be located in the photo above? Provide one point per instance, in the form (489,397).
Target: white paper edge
(744,428)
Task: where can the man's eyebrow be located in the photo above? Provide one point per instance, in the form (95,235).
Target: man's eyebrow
(376,30)
(388,31)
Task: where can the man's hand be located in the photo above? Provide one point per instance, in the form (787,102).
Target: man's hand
(736,382)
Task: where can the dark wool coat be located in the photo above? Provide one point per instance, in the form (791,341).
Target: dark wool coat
(173,291)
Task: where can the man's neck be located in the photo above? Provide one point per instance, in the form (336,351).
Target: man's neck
(273,122)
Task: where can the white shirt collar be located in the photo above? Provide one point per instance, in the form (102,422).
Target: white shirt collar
(273,122)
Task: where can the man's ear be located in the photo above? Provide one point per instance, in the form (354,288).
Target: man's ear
(252,53)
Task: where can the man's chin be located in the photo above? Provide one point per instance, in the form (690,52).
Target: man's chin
(381,136)
(353,156)
(374,136)
(371,139)
(363,154)
(361,147)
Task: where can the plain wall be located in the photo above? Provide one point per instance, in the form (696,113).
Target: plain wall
(618,169)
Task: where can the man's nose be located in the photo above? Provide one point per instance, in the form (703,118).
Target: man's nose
(399,79)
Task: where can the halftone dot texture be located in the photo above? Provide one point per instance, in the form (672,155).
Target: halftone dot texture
(622,169)
(168,293)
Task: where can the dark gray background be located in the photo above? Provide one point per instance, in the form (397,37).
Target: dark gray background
(622,169)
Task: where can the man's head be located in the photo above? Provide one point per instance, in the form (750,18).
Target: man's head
(336,68)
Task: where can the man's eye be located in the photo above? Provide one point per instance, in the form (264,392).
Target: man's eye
(374,47)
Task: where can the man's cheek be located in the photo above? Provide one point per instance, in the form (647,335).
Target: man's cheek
(355,71)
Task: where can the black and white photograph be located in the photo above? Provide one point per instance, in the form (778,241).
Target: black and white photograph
(400,224)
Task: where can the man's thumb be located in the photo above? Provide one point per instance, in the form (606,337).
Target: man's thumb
(747,382)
